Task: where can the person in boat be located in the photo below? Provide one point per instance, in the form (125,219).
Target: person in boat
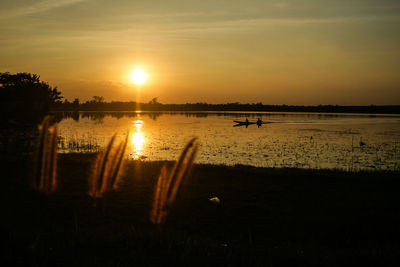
(247,123)
(259,122)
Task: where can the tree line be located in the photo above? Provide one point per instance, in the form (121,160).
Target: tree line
(98,104)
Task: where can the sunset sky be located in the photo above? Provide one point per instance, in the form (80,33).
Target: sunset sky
(272,51)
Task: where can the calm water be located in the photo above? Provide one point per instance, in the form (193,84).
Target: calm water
(350,142)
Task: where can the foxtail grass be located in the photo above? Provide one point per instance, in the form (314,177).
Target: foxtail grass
(169,183)
(107,166)
(45,175)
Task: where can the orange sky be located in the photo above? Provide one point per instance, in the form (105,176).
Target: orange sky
(275,52)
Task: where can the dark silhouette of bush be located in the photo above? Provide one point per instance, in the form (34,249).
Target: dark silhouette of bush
(25,99)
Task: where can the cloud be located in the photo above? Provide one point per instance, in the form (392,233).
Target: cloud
(280,4)
(244,24)
(39,6)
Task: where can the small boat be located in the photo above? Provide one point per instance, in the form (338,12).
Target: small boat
(247,123)
(244,122)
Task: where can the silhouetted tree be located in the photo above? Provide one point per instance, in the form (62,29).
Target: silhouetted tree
(98,99)
(75,104)
(24,98)
(154,101)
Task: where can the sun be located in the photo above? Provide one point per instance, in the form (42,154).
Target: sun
(138,76)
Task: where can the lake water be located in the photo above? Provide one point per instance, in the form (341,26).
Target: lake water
(301,140)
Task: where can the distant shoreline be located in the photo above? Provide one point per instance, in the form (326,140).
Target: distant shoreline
(230,107)
(204,113)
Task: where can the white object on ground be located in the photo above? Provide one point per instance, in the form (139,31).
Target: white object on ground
(215,200)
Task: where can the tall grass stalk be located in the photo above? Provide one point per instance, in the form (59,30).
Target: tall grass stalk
(168,183)
(105,175)
(45,175)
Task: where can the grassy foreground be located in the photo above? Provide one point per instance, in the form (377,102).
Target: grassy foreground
(266,217)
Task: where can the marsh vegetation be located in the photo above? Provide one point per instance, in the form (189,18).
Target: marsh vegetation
(309,141)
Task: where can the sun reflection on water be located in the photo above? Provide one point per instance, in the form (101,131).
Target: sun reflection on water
(137,139)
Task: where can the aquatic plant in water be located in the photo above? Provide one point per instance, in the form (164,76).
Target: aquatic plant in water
(45,175)
(106,168)
(168,183)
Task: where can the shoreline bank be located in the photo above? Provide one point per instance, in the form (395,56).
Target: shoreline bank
(265,217)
